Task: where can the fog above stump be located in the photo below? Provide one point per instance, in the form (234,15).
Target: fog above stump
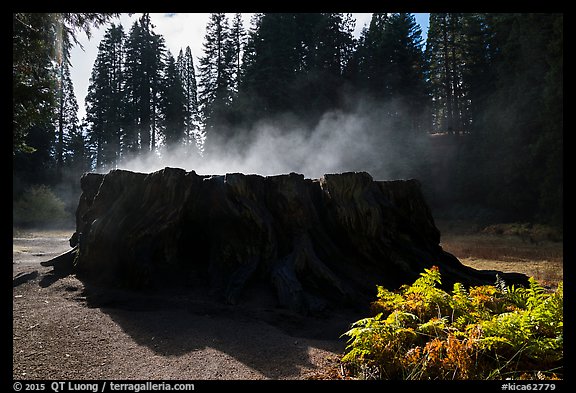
(311,243)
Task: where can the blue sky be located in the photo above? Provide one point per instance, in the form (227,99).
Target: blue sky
(179,31)
(424,21)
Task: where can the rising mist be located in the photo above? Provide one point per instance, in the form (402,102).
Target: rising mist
(365,139)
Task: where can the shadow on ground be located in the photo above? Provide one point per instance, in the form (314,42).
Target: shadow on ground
(23,278)
(272,341)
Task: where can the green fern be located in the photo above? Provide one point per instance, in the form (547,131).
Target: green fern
(421,331)
(535,294)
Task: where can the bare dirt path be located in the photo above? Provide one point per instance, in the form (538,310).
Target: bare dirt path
(64,330)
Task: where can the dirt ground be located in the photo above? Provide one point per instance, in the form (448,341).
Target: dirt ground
(64,330)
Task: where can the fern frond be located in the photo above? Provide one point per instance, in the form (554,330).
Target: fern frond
(536,293)
(484,332)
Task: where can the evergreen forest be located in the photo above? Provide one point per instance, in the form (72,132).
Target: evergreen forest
(474,112)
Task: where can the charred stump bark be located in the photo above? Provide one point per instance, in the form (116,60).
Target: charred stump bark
(311,242)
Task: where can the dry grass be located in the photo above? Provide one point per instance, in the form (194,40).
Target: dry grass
(497,250)
(548,273)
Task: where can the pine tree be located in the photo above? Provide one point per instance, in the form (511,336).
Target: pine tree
(295,63)
(77,156)
(326,44)
(342,28)
(249,53)
(550,144)
(173,105)
(216,67)
(269,64)
(34,54)
(236,44)
(478,73)
(447,58)
(67,106)
(104,102)
(389,67)
(522,132)
(373,61)
(156,54)
(143,74)
(185,64)
(405,72)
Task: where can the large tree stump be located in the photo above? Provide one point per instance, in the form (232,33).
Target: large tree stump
(311,242)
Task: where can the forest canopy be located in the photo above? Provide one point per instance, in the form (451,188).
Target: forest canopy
(474,112)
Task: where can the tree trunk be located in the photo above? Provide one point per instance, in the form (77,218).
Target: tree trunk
(313,243)
(447,78)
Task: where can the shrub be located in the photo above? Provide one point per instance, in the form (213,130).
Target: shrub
(38,206)
(484,332)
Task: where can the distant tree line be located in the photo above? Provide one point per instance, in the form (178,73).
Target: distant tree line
(490,83)
(139,97)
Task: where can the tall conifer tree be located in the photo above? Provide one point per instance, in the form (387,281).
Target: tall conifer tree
(173,105)
(216,71)
(104,102)
(145,52)
(185,64)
